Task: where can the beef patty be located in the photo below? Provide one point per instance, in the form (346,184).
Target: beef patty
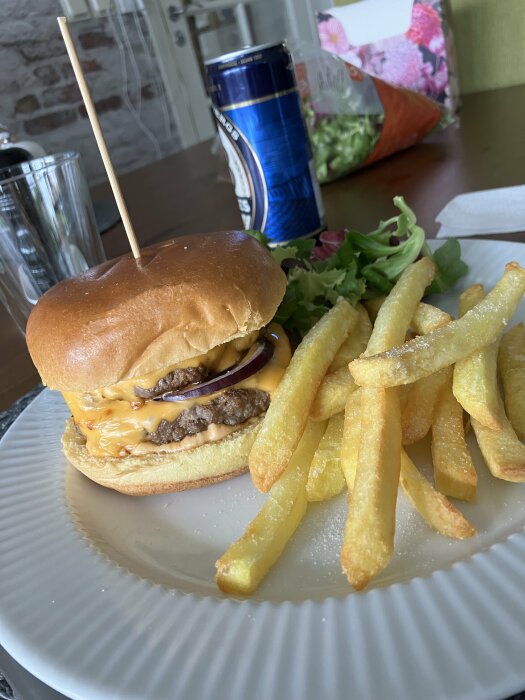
(232,407)
(173,381)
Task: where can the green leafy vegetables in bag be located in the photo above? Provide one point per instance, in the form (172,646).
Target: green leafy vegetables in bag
(341,142)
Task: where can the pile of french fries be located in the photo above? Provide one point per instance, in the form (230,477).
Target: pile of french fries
(355,394)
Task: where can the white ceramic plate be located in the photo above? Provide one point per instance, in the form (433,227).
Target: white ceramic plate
(106,596)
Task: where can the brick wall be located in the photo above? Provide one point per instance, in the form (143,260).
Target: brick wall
(40,101)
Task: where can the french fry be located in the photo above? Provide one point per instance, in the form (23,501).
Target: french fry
(420,400)
(427,318)
(442,347)
(502,451)
(454,472)
(331,396)
(368,541)
(511,364)
(356,341)
(398,309)
(336,385)
(369,530)
(435,508)
(373,306)
(476,388)
(288,412)
(351,437)
(247,561)
(420,405)
(326,478)
(470,297)
(475,377)
(501,448)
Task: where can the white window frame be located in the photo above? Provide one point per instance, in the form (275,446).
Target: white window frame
(171,37)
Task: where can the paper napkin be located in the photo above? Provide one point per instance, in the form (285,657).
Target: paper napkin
(500,210)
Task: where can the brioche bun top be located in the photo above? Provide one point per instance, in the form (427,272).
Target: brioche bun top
(125,318)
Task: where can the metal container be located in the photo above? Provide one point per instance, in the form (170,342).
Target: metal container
(261,126)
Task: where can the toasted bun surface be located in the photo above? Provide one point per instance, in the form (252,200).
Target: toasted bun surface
(163,472)
(123,319)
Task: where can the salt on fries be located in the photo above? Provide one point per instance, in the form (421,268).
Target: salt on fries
(511,364)
(288,412)
(363,446)
(424,355)
(247,561)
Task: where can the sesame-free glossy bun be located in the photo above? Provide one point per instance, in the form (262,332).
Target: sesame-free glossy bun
(125,318)
(163,472)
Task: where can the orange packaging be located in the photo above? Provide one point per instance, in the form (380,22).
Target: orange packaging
(355,119)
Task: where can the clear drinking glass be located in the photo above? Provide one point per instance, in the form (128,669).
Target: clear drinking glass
(47,229)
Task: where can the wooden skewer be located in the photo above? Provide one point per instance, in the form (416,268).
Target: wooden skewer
(99,137)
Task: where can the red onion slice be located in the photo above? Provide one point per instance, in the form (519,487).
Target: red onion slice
(263,353)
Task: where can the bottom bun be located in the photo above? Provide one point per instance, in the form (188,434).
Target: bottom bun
(163,472)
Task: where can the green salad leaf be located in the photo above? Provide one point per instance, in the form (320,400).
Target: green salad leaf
(363,266)
(449,264)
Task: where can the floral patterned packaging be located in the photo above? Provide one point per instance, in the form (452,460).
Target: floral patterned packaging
(407,43)
(355,119)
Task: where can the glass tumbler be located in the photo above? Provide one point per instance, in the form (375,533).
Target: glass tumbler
(47,229)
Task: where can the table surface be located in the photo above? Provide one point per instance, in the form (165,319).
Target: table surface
(190,192)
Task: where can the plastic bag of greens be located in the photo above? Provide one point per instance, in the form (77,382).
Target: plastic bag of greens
(355,119)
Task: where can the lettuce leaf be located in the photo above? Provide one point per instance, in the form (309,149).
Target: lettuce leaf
(449,264)
(363,266)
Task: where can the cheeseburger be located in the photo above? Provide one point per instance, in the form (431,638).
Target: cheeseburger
(167,364)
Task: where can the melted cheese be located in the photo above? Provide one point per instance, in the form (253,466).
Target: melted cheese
(114,422)
(217,359)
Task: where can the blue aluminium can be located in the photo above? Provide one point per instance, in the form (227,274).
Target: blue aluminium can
(261,126)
